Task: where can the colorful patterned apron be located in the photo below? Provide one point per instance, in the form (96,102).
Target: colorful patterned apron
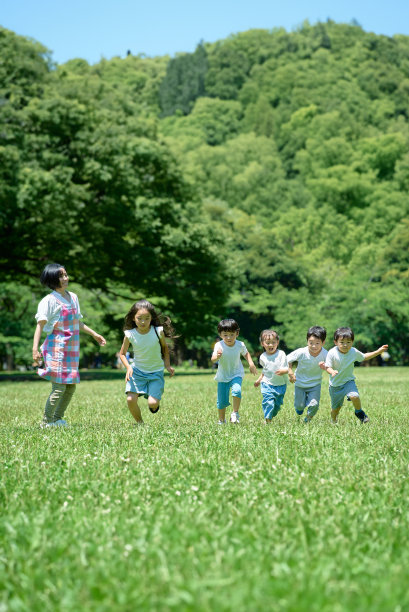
(61,348)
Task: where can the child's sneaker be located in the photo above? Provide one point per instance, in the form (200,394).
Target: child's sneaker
(234,418)
(360,414)
(60,423)
(220,422)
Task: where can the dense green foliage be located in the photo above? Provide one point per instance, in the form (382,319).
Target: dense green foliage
(264,177)
(184,515)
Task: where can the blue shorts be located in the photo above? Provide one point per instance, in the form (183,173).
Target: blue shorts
(308,397)
(223,390)
(146,383)
(337,394)
(273,398)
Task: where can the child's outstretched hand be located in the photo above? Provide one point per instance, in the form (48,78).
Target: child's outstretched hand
(291,377)
(253,369)
(383,348)
(100,339)
(170,370)
(322,365)
(128,374)
(219,353)
(257,383)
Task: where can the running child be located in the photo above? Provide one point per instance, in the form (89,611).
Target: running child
(230,370)
(273,378)
(145,329)
(59,315)
(340,366)
(307,378)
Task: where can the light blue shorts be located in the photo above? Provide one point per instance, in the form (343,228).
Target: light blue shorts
(273,398)
(146,383)
(308,397)
(223,390)
(337,394)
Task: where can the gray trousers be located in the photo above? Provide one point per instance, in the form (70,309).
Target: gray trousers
(58,401)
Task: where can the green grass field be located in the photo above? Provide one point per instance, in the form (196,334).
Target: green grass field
(183,514)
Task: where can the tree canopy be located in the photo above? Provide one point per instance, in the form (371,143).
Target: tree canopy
(264,177)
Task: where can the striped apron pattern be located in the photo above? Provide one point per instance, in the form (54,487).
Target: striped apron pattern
(61,348)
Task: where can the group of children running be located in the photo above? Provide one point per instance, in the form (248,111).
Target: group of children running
(59,316)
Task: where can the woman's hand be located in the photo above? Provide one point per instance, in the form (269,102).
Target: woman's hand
(37,358)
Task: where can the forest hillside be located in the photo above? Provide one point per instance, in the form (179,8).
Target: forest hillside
(263,177)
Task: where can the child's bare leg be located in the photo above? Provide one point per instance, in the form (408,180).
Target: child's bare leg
(222,414)
(236,403)
(356,401)
(132,401)
(334,414)
(153,403)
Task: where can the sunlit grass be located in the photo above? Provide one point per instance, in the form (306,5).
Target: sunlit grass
(183,514)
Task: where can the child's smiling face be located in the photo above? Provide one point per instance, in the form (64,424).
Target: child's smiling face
(270,344)
(314,345)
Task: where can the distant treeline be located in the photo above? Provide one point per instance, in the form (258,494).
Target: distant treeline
(263,177)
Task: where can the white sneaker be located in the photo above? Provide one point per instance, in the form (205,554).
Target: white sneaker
(220,422)
(234,418)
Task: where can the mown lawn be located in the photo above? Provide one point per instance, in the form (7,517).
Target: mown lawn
(182,514)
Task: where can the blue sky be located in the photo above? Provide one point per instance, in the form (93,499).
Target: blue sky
(92,29)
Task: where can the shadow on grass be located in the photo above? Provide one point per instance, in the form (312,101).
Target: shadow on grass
(103,374)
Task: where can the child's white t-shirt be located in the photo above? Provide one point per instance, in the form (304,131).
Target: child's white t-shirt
(272,363)
(309,373)
(146,349)
(229,364)
(344,363)
(50,306)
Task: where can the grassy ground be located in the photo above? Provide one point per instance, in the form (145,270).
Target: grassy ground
(185,515)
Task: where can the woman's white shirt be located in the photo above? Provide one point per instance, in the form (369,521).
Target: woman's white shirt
(50,307)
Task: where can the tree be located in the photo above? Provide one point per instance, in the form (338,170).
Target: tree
(184,81)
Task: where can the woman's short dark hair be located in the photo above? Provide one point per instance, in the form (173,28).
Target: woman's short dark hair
(228,325)
(344,332)
(318,332)
(51,275)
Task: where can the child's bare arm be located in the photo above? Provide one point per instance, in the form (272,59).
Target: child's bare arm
(249,360)
(328,368)
(281,371)
(122,357)
(166,355)
(258,381)
(380,350)
(216,354)
(291,374)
